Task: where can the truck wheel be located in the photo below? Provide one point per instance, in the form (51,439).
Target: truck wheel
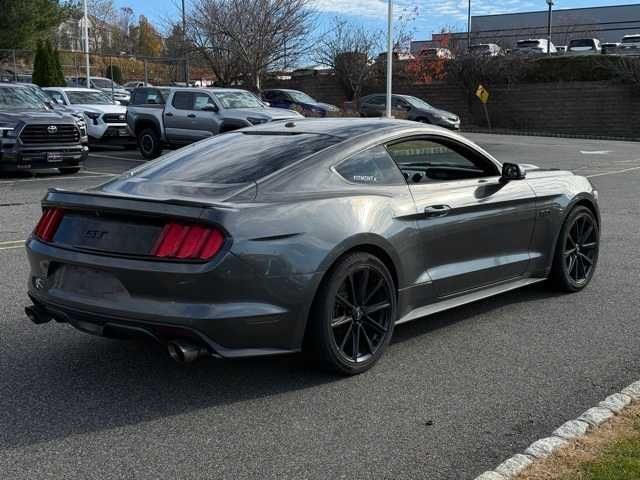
(149,143)
(69,170)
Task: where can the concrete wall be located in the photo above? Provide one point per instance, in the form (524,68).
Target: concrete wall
(599,109)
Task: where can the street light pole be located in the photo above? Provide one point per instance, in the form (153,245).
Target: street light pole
(550,2)
(86,42)
(184,45)
(389,59)
(469,27)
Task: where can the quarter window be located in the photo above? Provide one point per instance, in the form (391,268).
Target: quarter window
(371,167)
(426,161)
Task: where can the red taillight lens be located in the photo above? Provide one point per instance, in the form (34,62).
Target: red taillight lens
(188,242)
(48,224)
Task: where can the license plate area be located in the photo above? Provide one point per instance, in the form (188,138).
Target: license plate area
(54,157)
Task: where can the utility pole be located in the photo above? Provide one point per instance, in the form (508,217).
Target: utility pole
(86,42)
(389,59)
(550,2)
(469,28)
(184,45)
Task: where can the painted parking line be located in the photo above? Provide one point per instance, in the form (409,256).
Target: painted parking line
(615,172)
(97,156)
(12,245)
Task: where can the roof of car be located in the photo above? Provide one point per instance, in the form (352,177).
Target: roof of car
(339,127)
(74,89)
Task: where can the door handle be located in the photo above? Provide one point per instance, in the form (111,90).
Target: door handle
(435,211)
(169,114)
(192,115)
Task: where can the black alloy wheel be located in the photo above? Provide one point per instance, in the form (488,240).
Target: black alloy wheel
(577,251)
(149,144)
(356,314)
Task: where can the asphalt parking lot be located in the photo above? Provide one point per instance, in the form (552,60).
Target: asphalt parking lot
(454,395)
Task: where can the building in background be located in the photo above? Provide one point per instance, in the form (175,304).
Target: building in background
(608,24)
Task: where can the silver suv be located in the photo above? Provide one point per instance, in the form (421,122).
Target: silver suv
(173,116)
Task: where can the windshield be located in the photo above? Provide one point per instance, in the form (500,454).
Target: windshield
(39,94)
(88,98)
(529,44)
(104,83)
(301,97)
(232,158)
(417,102)
(582,43)
(18,98)
(237,100)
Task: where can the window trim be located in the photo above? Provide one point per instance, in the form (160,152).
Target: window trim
(448,143)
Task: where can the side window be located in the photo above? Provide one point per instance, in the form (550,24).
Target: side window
(147,96)
(377,100)
(269,95)
(183,100)
(57,96)
(399,103)
(202,100)
(426,161)
(371,167)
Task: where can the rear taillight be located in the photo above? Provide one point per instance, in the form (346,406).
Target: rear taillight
(48,224)
(188,242)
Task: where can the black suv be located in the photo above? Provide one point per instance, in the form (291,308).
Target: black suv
(34,136)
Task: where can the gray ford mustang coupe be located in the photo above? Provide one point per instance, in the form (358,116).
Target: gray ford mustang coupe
(318,234)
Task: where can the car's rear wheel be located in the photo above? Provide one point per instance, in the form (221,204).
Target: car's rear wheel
(354,314)
(69,170)
(577,251)
(149,143)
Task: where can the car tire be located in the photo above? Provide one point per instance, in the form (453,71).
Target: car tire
(354,314)
(149,143)
(577,250)
(69,170)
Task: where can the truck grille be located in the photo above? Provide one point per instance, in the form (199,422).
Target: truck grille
(49,133)
(114,118)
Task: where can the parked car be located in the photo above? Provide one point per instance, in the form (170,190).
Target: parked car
(106,121)
(322,235)
(534,46)
(486,50)
(33,136)
(610,48)
(108,86)
(561,49)
(129,86)
(584,46)
(297,100)
(630,44)
(180,116)
(437,53)
(409,107)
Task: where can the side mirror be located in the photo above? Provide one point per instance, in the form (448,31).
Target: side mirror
(512,171)
(209,108)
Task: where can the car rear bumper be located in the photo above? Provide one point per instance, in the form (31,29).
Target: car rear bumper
(17,158)
(242,316)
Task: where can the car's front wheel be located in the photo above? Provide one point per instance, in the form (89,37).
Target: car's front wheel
(354,314)
(577,251)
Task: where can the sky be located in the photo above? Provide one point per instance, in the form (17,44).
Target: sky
(432,15)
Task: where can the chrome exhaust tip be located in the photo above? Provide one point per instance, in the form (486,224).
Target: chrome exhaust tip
(184,352)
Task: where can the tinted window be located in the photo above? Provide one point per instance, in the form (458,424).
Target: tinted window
(424,161)
(235,158)
(377,100)
(371,167)
(183,100)
(582,43)
(148,96)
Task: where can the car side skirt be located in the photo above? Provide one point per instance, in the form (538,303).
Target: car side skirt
(470,297)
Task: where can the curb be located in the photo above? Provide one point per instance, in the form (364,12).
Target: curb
(568,431)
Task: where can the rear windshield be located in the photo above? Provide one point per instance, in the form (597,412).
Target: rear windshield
(234,158)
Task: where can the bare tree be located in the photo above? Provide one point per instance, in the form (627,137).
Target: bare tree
(350,51)
(103,15)
(249,35)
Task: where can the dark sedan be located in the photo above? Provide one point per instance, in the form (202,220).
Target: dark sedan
(297,100)
(410,108)
(322,234)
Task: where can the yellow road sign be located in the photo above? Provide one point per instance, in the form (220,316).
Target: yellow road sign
(483,94)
